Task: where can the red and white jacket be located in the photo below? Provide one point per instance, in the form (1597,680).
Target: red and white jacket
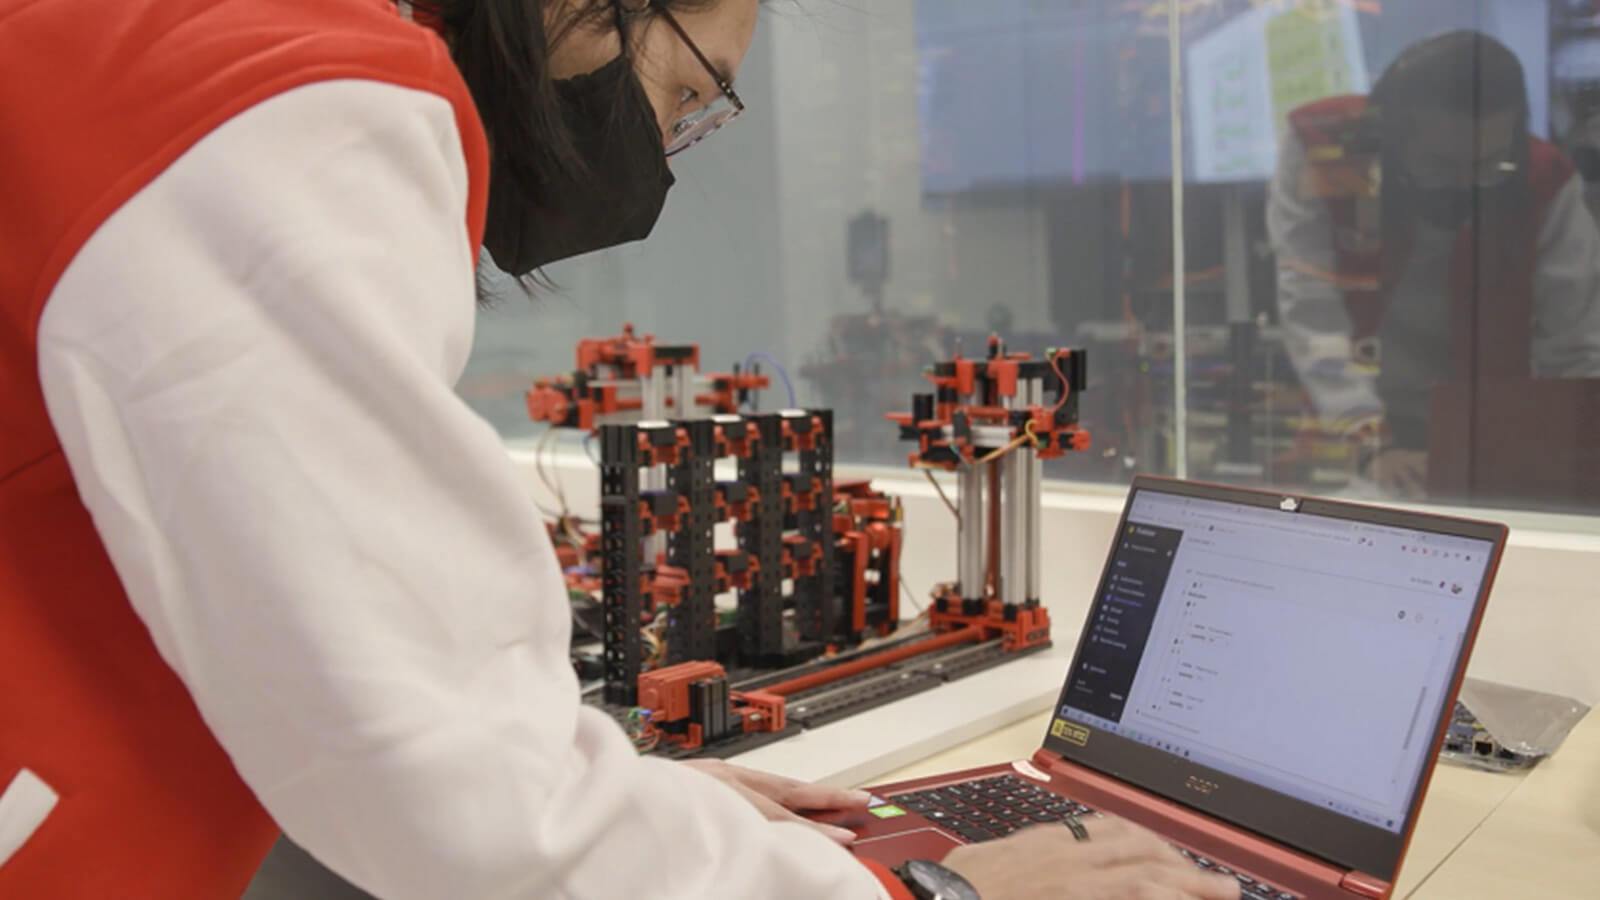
(1529,290)
(258,563)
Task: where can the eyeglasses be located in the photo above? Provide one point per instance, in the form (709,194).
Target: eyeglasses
(1484,173)
(698,125)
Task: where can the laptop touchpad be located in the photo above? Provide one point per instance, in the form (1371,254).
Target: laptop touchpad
(893,849)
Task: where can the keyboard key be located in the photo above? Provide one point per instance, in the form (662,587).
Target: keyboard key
(1203,863)
(1224,870)
(1042,818)
(1244,879)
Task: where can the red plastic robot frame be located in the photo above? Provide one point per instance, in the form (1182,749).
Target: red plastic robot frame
(630,379)
(993,421)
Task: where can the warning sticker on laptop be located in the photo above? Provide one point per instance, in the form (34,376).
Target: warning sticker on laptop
(1071,732)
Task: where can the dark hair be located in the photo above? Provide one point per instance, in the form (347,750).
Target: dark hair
(502,48)
(1464,73)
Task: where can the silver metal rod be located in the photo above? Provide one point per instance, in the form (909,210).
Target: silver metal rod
(653,409)
(683,393)
(632,389)
(1008,581)
(650,405)
(969,538)
(1014,516)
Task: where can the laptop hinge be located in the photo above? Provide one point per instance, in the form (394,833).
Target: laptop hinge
(1363,885)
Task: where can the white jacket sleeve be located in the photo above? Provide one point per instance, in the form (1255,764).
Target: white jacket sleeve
(1311,308)
(250,367)
(1566,289)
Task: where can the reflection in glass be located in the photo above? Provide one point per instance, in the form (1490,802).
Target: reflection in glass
(1391,264)
(1434,255)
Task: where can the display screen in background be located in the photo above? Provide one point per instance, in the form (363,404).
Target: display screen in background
(1019,93)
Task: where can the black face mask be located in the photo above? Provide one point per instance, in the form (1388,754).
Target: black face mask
(616,201)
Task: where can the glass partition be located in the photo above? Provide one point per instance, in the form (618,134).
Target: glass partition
(1382,241)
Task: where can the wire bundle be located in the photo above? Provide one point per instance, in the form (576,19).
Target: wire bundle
(644,733)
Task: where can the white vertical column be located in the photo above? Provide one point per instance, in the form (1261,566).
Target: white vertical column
(1034,481)
(1014,525)
(969,539)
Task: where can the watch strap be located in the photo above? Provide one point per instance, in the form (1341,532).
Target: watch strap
(890,879)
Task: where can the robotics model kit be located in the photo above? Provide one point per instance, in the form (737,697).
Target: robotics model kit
(708,647)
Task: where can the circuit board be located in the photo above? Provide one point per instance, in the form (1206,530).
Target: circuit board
(1468,743)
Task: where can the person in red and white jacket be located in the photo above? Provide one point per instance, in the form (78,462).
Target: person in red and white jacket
(1424,235)
(260,567)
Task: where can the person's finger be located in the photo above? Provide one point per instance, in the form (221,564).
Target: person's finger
(803,795)
(1214,887)
(1187,883)
(800,795)
(844,837)
(1170,876)
(1115,842)
(775,812)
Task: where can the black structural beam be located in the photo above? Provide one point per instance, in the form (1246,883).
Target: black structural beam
(620,561)
(761,607)
(693,627)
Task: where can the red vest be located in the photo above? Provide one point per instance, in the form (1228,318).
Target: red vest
(1492,272)
(99,99)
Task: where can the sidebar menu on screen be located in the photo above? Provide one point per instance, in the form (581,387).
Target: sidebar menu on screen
(1120,622)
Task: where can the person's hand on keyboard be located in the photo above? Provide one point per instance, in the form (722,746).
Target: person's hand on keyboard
(781,799)
(1111,859)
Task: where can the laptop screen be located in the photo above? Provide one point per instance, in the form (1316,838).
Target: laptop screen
(1307,654)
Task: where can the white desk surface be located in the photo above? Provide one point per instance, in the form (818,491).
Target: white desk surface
(1481,834)
(1543,842)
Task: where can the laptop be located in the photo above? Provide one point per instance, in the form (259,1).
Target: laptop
(1262,680)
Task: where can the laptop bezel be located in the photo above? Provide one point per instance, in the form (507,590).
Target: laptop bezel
(1303,826)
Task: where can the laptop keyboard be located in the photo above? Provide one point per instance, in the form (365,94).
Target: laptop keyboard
(995,807)
(991,808)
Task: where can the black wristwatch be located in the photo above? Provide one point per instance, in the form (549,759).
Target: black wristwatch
(931,881)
